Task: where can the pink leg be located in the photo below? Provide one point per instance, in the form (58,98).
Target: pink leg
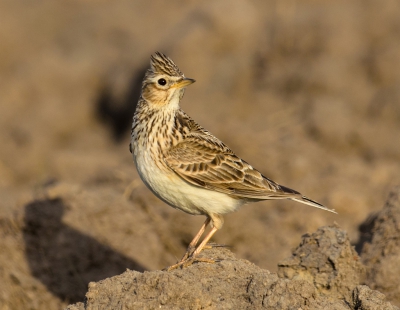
(196,239)
(217,222)
(189,257)
(204,242)
(199,234)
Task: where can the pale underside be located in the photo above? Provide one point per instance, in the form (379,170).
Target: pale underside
(178,193)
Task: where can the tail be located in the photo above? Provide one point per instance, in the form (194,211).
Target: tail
(312,203)
(296,196)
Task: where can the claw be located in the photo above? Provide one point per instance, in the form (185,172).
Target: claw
(212,245)
(189,252)
(190,261)
(193,260)
(191,256)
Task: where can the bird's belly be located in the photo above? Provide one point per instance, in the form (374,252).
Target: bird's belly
(178,193)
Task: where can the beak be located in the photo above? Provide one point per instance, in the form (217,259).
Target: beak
(184,82)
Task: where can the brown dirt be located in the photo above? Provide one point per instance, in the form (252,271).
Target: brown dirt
(324,272)
(307,92)
(381,248)
(328,261)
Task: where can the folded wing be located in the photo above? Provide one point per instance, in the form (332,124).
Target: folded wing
(206,162)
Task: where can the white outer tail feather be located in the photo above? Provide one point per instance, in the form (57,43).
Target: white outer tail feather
(312,203)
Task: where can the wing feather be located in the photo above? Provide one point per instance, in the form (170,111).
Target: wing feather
(203,160)
(212,165)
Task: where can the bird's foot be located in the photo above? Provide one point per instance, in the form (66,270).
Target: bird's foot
(190,261)
(212,245)
(189,252)
(190,257)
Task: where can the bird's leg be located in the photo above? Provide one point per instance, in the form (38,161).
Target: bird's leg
(189,258)
(217,222)
(204,242)
(193,243)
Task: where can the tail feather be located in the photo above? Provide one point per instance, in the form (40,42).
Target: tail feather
(303,199)
(312,203)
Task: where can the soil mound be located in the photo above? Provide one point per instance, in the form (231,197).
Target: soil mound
(380,244)
(324,272)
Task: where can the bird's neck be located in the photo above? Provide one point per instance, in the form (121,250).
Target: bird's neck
(155,128)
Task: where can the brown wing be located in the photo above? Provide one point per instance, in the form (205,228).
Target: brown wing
(204,161)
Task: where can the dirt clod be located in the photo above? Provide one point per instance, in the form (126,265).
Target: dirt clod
(381,254)
(327,260)
(324,272)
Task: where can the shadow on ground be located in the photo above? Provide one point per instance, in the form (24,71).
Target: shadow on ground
(64,259)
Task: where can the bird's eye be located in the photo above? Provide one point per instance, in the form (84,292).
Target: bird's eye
(162,82)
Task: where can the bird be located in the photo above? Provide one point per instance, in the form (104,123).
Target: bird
(185,165)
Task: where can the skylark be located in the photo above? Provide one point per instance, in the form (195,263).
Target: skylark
(185,165)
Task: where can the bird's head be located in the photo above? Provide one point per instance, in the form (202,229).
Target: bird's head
(164,84)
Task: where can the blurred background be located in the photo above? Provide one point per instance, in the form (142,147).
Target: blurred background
(307,92)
